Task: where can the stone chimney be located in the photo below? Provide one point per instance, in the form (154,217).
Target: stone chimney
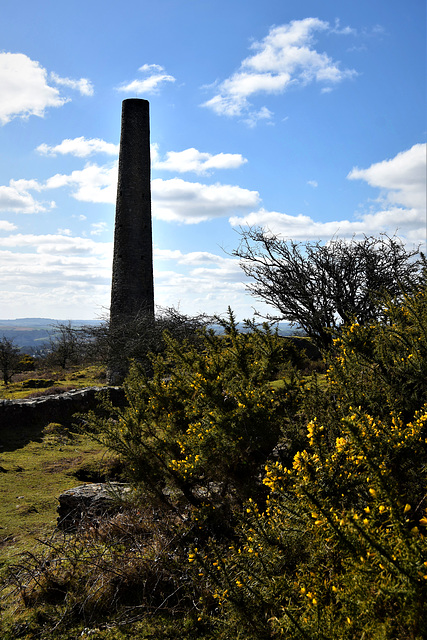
(132,289)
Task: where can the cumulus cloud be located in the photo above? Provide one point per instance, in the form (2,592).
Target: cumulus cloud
(79,147)
(93,183)
(173,200)
(61,275)
(17,197)
(54,275)
(193,258)
(298,227)
(5,225)
(193,202)
(83,86)
(55,244)
(286,57)
(24,88)
(402,178)
(401,207)
(198,161)
(155,78)
(199,281)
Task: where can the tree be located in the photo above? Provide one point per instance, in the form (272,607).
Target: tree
(319,286)
(9,359)
(67,345)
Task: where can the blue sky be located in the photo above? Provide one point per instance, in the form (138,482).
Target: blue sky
(304,117)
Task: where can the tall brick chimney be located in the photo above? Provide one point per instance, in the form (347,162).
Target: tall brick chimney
(132,289)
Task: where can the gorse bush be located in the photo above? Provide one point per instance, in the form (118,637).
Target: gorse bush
(197,434)
(272,505)
(383,366)
(339,551)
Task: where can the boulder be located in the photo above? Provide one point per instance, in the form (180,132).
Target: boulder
(90,502)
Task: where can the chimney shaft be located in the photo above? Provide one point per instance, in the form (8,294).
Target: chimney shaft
(132,290)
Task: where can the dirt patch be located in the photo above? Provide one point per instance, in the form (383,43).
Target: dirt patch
(6,540)
(64,464)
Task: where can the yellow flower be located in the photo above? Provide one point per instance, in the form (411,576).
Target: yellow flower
(340,443)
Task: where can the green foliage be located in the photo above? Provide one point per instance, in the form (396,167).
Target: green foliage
(263,508)
(198,433)
(383,366)
(27,362)
(339,551)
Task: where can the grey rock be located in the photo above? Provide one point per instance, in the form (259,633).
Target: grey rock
(90,502)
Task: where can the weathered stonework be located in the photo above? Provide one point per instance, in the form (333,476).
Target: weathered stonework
(132,287)
(37,412)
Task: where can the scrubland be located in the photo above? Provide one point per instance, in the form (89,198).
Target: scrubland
(272,497)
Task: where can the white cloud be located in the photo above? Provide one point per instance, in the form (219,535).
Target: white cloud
(80,147)
(16,197)
(154,80)
(198,161)
(403,178)
(7,226)
(83,86)
(284,58)
(193,258)
(56,244)
(24,88)
(98,228)
(401,207)
(93,183)
(151,67)
(60,275)
(193,202)
(298,227)
(54,275)
(174,200)
(200,282)
(313,183)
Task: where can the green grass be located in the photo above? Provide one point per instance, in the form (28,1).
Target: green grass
(72,378)
(31,479)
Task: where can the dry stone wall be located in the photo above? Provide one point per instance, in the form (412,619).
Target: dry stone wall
(37,412)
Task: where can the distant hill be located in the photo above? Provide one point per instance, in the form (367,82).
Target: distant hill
(33,333)
(34,323)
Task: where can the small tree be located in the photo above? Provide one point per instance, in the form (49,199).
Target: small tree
(322,286)
(67,345)
(9,359)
